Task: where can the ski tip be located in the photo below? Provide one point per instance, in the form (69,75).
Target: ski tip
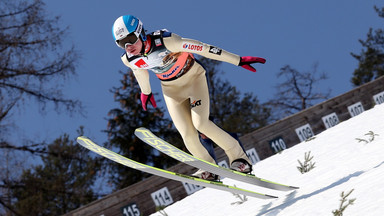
(140,128)
(81,137)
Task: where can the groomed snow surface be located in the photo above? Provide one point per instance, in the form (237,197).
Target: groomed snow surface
(342,163)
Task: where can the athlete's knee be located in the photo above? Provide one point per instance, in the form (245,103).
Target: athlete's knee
(189,136)
(202,124)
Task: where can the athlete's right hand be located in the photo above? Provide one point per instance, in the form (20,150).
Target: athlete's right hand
(147,98)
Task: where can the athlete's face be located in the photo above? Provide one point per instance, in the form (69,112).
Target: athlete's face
(135,48)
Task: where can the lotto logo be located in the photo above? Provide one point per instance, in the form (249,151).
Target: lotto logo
(141,64)
(193,47)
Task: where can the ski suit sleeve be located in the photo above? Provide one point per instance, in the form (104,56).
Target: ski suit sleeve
(175,43)
(141,75)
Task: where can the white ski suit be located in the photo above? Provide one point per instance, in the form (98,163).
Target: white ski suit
(185,88)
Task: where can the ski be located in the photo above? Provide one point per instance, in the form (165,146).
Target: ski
(89,144)
(148,137)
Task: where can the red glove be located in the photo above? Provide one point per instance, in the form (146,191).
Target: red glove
(246,62)
(147,98)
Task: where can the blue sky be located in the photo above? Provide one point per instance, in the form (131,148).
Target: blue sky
(297,32)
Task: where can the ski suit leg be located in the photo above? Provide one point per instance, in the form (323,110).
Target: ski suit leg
(181,116)
(200,119)
(208,144)
(187,100)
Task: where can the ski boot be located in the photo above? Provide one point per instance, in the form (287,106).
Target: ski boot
(206,175)
(241,165)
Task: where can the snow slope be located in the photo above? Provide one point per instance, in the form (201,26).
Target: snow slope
(342,164)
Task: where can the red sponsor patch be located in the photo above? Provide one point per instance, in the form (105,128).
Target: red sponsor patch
(141,64)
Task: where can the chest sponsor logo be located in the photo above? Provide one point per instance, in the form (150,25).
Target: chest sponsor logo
(141,64)
(215,50)
(172,72)
(193,47)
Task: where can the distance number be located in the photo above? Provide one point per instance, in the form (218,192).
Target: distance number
(356,109)
(223,163)
(162,197)
(252,154)
(379,98)
(304,132)
(191,188)
(130,210)
(277,144)
(330,120)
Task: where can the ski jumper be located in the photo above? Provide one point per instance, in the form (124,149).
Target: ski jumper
(185,88)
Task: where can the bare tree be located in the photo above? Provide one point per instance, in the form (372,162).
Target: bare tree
(33,60)
(297,92)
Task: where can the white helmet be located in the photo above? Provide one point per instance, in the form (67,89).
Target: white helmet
(128,29)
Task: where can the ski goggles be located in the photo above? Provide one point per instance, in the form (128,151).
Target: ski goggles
(129,40)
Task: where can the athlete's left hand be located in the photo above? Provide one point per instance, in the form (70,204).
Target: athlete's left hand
(246,62)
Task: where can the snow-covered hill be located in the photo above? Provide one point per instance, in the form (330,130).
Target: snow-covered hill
(343,161)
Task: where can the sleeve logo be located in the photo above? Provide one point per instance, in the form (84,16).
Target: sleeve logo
(215,50)
(193,47)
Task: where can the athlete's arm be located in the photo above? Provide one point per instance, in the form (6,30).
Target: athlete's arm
(175,43)
(141,75)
